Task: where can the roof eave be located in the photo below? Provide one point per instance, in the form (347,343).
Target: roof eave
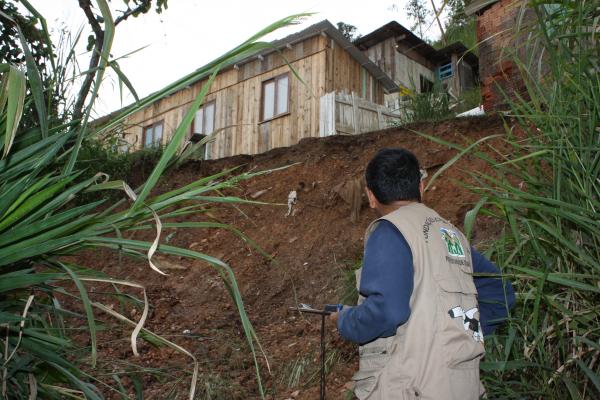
(478,6)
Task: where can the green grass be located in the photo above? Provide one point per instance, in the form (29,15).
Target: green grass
(347,293)
(544,188)
(305,370)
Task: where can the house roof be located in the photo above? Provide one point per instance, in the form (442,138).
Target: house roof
(462,51)
(316,29)
(327,27)
(392,29)
(478,6)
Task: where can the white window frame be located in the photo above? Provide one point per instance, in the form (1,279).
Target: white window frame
(203,130)
(153,127)
(276,113)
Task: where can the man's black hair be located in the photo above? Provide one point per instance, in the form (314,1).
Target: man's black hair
(393,175)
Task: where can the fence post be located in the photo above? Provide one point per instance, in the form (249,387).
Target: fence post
(327,115)
(355,114)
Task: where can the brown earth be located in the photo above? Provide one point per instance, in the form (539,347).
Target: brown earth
(314,252)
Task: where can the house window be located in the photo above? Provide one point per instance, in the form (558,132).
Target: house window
(275,97)
(204,121)
(445,71)
(153,134)
(426,84)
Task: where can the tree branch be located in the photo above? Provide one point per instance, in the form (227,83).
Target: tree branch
(86,6)
(437,18)
(141,8)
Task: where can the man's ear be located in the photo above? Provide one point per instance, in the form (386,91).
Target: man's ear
(373,203)
(422,189)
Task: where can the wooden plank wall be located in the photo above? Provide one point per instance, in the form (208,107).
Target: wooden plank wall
(320,62)
(238,110)
(403,65)
(237,95)
(347,76)
(355,115)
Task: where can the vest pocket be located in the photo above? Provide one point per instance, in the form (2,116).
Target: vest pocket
(458,323)
(374,357)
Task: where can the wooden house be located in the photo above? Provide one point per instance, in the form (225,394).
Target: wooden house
(257,104)
(414,65)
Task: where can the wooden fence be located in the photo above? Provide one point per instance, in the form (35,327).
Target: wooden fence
(348,114)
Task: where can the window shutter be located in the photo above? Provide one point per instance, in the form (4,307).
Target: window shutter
(282,95)
(269,100)
(209,118)
(199,121)
(158,130)
(148,137)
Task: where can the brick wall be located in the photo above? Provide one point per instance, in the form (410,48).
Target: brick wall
(499,43)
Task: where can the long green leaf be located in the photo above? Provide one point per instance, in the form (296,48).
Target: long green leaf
(39,227)
(173,145)
(87,306)
(593,376)
(33,202)
(14,109)
(25,279)
(224,269)
(109,33)
(35,84)
(471,216)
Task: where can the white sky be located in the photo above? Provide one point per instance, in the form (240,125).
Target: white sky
(190,33)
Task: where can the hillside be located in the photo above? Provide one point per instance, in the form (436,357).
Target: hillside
(314,251)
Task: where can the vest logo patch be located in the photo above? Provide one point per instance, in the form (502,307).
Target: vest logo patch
(453,244)
(470,323)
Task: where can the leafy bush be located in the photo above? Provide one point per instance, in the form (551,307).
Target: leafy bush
(44,217)
(131,167)
(436,105)
(430,106)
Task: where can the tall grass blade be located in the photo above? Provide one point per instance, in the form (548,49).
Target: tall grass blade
(87,306)
(15,98)
(109,34)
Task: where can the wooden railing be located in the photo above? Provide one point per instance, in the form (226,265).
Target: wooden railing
(348,114)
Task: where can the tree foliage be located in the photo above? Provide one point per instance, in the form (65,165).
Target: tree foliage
(459,26)
(42,52)
(44,216)
(10,48)
(418,12)
(350,32)
(96,42)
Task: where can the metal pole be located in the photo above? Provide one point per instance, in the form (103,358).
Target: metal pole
(322,357)
(329,308)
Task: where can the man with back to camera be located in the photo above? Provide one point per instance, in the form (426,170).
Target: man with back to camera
(418,321)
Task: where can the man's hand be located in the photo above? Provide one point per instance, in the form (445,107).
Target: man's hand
(333,317)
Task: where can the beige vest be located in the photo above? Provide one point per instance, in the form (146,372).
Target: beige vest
(436,353)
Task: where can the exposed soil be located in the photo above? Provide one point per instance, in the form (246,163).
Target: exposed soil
(313,250)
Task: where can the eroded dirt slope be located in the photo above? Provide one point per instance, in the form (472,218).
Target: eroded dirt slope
(313,251)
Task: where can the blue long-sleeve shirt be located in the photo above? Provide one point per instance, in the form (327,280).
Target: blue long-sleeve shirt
(387,285)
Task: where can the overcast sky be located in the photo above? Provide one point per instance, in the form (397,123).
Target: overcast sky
(190,33)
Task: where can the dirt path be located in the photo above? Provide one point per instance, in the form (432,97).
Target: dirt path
(315,250)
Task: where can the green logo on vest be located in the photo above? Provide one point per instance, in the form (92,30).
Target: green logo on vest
(452,241)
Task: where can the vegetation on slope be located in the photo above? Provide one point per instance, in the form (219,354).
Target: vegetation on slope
(547,193)
(44,217)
